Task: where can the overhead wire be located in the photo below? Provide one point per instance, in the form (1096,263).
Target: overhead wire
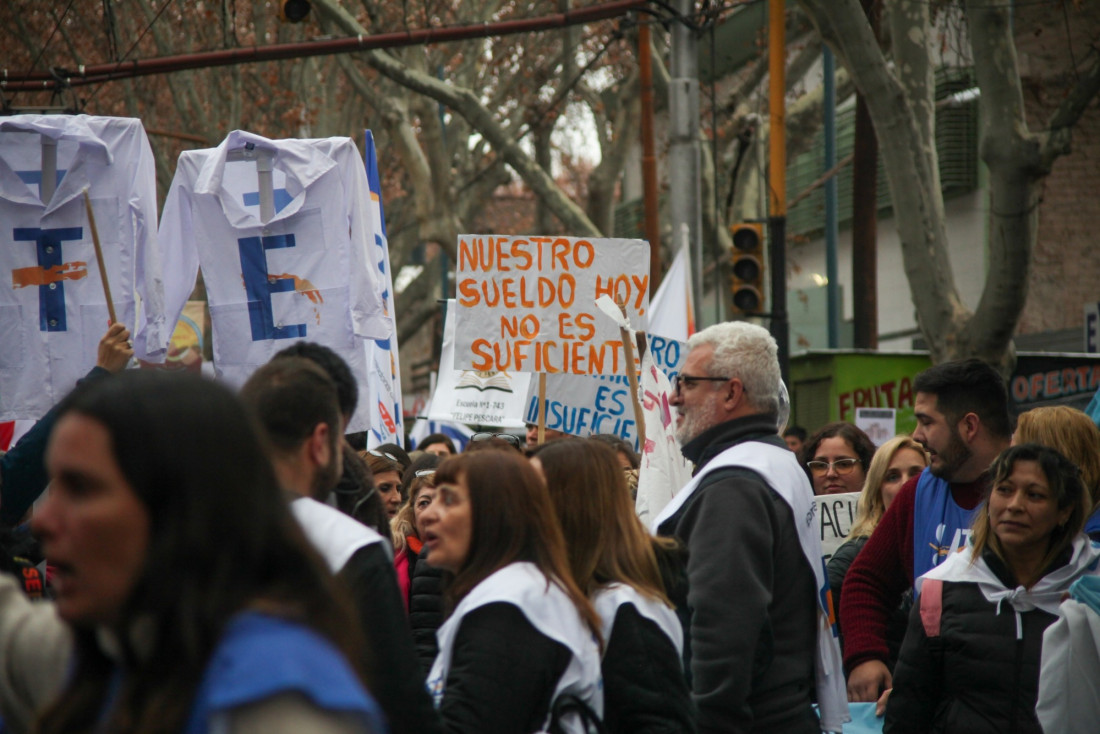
(132,47)
(42,50)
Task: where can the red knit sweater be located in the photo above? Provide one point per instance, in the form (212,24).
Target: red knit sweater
(883,570)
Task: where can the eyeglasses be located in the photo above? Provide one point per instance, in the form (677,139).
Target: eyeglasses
(384,455)
(840,466)
(681,380)
(425,473)
(510,438)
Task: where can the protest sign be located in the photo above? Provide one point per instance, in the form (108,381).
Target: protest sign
(880,424)
(487,398)
(581,405)
(836,514)
(527,304)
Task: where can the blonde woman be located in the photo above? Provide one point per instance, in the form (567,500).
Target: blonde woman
(1072,434)
(894,463)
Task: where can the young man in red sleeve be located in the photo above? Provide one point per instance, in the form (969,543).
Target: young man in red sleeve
(963,422)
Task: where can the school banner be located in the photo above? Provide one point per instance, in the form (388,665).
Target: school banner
(836,514)
(387,421)
(527,304)
(487,397)
(580,405)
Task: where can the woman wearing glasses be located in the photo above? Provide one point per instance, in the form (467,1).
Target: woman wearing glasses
(837,457)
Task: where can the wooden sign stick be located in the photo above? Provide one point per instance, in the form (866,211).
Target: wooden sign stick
(99,258)
(632,378)
(542,408)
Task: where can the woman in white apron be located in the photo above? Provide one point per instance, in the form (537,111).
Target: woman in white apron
(616,562)
(520,649)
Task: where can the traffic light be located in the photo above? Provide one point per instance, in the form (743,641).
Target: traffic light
(293,11)
(747,268)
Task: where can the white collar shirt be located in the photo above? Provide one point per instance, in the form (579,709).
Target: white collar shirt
(53,310)
(305,274)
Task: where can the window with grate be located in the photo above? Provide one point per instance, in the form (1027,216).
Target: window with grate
(956,146)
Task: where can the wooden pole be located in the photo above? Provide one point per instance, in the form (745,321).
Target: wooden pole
(632,378)
(542,408)
(651,201)
(99,258)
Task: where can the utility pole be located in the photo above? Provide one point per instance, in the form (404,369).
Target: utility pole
(777,179)
(684,165)
(649,158)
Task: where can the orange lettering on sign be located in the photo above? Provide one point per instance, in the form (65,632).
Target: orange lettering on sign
(39,276)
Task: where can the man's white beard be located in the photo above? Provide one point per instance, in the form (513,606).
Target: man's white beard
(695,422)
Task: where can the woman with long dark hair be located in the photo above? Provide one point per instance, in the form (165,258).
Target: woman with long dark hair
(194,600)
(615,561)
(520,650)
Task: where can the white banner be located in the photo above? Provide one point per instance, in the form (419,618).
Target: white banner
(488,398)
(670,311)
(387,421)
(527,304)
(664,470)
(836,514)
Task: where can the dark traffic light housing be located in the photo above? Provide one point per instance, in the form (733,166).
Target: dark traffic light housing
(293,11)
(747,268)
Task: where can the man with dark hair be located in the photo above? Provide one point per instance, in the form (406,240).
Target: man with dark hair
(297,406)
(963,423)
(795,437)
(347,391)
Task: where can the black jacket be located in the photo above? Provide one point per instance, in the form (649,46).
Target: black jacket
(750,627)
(976,676)
(425,609)
(396,681)
(503,673)
(644,687)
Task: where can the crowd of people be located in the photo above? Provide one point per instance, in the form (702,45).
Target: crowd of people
(207,560)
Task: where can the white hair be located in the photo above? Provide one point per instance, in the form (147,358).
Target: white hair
(749,353)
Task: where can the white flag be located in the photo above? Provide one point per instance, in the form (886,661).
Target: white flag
(664,470)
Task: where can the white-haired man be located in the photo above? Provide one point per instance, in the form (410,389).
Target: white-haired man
(756,622)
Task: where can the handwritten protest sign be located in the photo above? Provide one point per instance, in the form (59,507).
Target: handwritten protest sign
(836,514)
(527,304)
(581,405)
